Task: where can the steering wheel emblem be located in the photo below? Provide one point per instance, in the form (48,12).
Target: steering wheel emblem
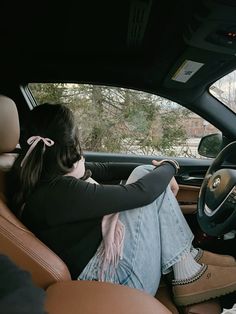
(216,183)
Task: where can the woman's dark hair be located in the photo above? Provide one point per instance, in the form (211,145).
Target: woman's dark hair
(55,122)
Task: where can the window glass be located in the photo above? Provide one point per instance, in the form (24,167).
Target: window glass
(126,121)
(225,90)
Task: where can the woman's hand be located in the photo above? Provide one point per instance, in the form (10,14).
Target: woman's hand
(173,183)
(174,186)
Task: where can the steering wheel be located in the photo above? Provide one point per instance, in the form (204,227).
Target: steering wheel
(217,197)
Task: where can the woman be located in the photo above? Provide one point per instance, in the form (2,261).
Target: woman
(128,234)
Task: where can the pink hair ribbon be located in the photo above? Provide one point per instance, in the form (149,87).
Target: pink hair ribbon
(33,141)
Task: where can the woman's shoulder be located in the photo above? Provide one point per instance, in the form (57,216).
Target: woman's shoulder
(49,191)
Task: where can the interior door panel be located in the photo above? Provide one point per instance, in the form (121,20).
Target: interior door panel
(191,166)
(187,198)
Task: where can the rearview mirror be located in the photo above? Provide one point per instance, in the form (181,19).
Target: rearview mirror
(210,145)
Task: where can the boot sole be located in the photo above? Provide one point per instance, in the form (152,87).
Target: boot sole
(188,299)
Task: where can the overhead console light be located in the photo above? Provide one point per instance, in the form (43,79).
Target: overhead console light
(224,37)
(216,30)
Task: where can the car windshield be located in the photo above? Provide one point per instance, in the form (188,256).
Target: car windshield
(225,90)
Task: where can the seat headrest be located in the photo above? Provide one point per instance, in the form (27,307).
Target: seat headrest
(9,125)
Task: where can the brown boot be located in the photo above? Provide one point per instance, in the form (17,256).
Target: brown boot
(209,258)
(210,282)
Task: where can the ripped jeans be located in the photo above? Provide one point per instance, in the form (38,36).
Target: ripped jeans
(156,237)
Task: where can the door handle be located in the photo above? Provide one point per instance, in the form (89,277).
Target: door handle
(187,178)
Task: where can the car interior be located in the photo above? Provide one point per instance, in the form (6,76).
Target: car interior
(170,49)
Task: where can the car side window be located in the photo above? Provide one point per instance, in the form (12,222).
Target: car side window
(224,90)
(119,120)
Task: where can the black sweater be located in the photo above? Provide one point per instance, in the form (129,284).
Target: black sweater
(66,213)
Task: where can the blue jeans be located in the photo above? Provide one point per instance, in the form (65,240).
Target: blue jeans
(156,237)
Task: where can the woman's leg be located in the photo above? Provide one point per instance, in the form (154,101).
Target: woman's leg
(175,235)
(156,237)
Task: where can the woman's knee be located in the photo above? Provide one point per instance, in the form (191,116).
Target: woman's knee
(139,172)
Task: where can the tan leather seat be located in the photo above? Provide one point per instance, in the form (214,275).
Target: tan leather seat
(91,297)
(47,269)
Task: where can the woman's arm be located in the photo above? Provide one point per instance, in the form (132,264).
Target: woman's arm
(76,200)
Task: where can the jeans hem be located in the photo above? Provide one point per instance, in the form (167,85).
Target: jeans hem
(178,257)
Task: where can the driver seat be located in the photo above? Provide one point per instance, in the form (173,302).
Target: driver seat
(47,269)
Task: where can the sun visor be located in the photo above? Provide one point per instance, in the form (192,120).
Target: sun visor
(194,65)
